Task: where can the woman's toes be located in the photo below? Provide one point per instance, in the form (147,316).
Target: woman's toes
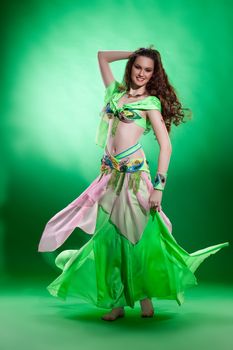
(147,314)
(107,318)
(113,315)
(147,308)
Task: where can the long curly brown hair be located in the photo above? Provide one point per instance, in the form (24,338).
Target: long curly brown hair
(159,86)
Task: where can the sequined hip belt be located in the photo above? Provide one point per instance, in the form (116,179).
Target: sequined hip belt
(127,165)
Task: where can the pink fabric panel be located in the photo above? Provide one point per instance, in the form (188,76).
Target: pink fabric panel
(81,212)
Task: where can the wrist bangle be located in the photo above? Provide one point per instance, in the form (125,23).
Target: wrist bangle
(159,181)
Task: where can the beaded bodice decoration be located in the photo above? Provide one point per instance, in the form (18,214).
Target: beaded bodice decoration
(128,113)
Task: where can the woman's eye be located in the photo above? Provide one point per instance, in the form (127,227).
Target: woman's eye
(147,70)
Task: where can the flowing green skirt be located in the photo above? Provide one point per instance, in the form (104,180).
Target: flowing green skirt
(131,254)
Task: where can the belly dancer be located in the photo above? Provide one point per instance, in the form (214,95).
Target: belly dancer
(131,254)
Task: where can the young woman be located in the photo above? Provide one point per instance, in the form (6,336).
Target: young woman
(132,254)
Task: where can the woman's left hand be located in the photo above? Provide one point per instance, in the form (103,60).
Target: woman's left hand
(155,199)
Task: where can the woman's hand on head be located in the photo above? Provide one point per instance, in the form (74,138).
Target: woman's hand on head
(155,199)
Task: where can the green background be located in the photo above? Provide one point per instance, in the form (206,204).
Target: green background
(51,96)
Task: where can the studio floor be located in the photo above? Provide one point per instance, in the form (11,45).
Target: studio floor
(32,319)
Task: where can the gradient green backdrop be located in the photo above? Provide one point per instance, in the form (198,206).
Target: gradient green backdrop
(51,96)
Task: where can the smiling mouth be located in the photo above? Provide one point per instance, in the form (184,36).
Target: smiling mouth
(140,79)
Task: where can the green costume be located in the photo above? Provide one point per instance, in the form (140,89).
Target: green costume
(131,253)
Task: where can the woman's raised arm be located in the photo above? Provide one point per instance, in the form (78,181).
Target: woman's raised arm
(104,58)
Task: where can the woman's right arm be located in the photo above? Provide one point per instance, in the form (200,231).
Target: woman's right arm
(104,58)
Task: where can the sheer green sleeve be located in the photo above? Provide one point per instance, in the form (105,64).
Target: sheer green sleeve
(153,103)
(102,129)
(110,90)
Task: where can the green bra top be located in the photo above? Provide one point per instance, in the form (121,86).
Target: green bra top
(128,113)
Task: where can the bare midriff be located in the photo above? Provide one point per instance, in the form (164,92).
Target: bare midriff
(127,135)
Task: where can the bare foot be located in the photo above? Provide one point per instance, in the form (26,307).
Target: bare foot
(114,314)
(147,308)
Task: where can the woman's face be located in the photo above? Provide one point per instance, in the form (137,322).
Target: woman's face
(142,70)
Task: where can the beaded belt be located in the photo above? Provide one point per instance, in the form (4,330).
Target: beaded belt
(125,165)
